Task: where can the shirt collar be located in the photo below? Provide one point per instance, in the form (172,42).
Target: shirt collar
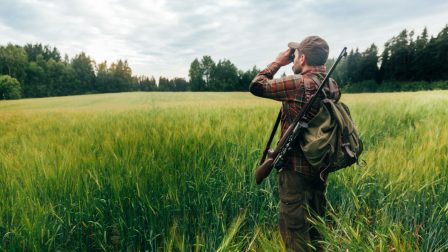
(316,69)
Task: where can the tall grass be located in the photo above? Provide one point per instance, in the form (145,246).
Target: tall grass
(174,171)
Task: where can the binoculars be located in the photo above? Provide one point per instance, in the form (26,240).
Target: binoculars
(291,54)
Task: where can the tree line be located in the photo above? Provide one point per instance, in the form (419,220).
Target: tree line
(37,70)
(408,62)
(206,75)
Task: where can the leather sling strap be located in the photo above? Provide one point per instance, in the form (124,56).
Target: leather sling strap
(268,145)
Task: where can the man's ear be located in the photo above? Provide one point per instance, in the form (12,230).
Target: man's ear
(302,59)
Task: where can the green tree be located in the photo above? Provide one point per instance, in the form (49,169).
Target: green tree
(422,57)
(9,88)
(244,78)
(60,78)
(165,84)
(82,66)
(103,78)
(196,74)
(397,57)
(354,59)
(180,84)
(440,59)
(224,76)
(34,85)
(13,61)
(368,67)
(47,52)
(208,66)
(147,84)
(121,77)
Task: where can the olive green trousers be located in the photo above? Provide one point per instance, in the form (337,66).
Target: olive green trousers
(301,198)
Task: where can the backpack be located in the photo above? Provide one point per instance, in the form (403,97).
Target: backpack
(331,140)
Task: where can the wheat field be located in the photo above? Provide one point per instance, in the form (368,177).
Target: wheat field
(174,172)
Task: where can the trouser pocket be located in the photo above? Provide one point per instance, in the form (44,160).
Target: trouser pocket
(293,215)
(292,198)
(299,195)
(293,226)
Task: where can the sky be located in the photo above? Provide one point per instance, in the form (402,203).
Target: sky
(162,38)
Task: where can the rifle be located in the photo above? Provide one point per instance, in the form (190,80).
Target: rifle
(276,157)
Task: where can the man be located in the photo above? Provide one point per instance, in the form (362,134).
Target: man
(301,190)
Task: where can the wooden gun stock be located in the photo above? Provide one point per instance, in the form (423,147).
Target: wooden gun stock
(267,164)
(265,168)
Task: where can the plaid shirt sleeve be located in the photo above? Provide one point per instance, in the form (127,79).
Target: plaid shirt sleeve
(288,88)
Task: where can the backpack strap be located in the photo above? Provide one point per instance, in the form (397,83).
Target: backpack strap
(318,81)
(332,90)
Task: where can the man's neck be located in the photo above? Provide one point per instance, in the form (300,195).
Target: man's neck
(306,68)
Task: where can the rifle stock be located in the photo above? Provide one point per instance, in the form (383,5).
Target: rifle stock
(266,165)
(264,170)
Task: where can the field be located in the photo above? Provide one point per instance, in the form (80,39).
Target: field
(174,172)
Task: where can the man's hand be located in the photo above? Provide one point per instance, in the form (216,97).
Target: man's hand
(283,58)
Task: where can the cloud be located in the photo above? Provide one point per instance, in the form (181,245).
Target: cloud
(161,37)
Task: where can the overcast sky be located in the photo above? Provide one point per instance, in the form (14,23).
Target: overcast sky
(162,37)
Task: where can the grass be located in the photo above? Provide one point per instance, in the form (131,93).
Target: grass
(174,171)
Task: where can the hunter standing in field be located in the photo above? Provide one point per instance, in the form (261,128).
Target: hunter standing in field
(300,187)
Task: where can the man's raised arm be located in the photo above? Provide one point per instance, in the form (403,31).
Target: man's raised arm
(280,89)
(261,83)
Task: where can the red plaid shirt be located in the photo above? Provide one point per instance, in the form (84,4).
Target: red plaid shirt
(293,91)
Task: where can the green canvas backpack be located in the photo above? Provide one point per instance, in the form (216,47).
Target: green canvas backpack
(331,140)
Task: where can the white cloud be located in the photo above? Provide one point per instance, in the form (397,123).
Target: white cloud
(161,37)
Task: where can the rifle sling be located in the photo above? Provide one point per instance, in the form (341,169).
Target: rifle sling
(277,122)
(268,145)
